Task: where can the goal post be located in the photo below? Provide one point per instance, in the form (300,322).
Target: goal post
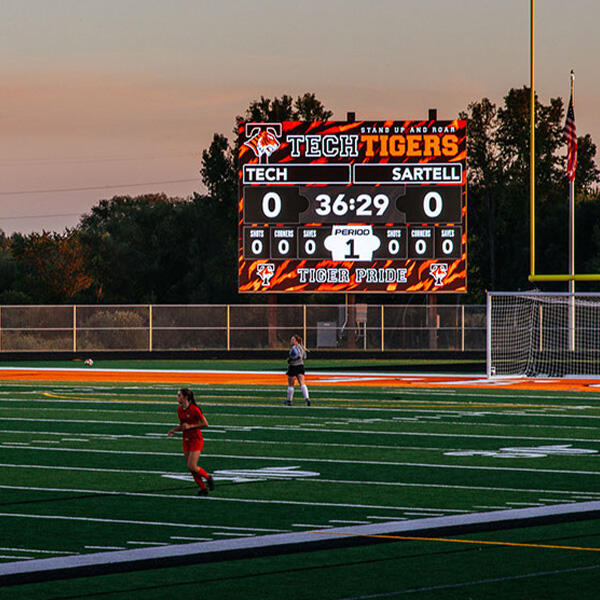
(532,334)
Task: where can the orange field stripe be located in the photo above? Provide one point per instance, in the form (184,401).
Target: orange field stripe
(179,377)
(273,378)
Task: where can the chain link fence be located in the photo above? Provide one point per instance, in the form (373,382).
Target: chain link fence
(242,326)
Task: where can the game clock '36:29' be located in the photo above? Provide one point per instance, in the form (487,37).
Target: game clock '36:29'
(366,206)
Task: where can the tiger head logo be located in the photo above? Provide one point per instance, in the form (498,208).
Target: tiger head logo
(438,271)
(265,271)
(263,142)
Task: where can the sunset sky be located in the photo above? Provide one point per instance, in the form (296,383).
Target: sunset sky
(107,97)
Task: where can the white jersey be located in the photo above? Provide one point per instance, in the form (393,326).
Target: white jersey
(297,355)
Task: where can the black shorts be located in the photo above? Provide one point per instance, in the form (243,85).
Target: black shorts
(294,370)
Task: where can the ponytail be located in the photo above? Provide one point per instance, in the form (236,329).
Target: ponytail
(189,395)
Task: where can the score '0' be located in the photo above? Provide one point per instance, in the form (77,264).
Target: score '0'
(266,204)
(437,198)
(432,204)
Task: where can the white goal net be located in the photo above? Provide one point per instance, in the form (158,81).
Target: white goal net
(543,334)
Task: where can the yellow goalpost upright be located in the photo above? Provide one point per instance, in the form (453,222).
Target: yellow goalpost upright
(540,333)
(572,276)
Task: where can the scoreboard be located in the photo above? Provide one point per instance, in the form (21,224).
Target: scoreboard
(365,206)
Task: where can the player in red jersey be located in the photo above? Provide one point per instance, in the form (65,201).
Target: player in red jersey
(191,422)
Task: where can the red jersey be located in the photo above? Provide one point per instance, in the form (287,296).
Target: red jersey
(192,415)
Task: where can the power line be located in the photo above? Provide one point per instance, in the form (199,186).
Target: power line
(11,162)
(98,187)
(40,216)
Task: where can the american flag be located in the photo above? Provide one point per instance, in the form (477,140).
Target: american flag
(571,137)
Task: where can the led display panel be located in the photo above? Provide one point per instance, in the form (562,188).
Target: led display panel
(365,206)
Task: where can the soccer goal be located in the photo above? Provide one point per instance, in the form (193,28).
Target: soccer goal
(543,334)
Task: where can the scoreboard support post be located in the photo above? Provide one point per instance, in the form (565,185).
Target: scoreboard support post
(351,320)
(272,320)
(432,322)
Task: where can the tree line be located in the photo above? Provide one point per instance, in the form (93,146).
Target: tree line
(162,250)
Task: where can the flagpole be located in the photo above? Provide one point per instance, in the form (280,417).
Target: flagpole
(572,244)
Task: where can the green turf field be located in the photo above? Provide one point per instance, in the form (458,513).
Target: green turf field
(89,468)
(251,364)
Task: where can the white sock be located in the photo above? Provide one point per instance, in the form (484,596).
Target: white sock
(304,391)
(290,393)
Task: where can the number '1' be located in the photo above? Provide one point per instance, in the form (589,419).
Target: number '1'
(350,244)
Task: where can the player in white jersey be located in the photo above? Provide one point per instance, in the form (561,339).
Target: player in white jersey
(295,370)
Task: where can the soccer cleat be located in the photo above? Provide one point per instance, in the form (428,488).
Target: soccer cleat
(287,402)
(210,482)
(203,492)
(307,402)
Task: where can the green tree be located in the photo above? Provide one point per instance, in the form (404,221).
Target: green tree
(304,108)
(219,169)
(43,268)
(157,249)
(11,279)
(131,248)
(587,173)
(498,192)
(484,174)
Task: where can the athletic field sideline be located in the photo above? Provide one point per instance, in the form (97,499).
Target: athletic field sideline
(87,472)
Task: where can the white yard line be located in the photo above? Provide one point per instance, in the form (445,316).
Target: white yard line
(446,486)
(240,500)
(89,450)
(207,437)
(576,494)
(153,436)
(321,430)
(349,522)
(288,459)
(456,409)
(134,522)
(91,422)
(435,407)
(412,513)
(36,551)
(155,543)
(258,501)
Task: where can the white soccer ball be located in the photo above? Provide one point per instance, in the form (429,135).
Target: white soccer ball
(89,362)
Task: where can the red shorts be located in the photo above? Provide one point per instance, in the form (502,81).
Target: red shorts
(193,444)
